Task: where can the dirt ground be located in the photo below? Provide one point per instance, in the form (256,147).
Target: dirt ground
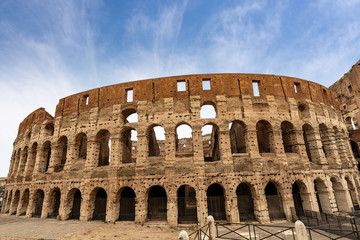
(12,227)
(125,231)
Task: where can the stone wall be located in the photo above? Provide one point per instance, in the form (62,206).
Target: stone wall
(262,155)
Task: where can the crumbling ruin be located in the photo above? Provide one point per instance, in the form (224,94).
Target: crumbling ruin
(119,153)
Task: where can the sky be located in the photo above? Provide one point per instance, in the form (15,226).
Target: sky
(52,49)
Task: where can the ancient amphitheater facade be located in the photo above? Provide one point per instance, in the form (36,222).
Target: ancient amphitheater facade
(153,150)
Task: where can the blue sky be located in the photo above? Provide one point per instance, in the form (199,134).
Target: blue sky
(51,49)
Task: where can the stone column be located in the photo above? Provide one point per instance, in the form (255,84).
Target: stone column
(201,204)
(277,145)
(111,207)
(170,149)
(198,145)
(31,206)
(86,209)
(29,167)
(172,210)
(300,144)
(347,196)
(92,153)
(288,203)
(315,145)
(54,157)
(116,151)
(142,149)
(46,204)
(313,199)
(72,153)
(232,207)
(330,147)
(251,141)
(225,148)
(140,208)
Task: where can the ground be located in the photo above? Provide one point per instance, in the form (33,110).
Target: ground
(12,227)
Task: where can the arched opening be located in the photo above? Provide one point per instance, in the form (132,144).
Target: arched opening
(38,202)
(352,193)
(100,205)
(245,202)
(61,152)
(187,212)
(298,203)
(8,202)
(207,111)
(355,149)
(129,143)
(210,138)
(340,195)
(157,204)
(216,201)
(274,202)
(350,124)
(156,141)
(32,158)
(103,143)
(184,139)
(75,198)
(324,138)
(264,135)
(15,202)
(130,116)
(322,196)
(308,135)
(237,137)
(23,160)
(288,137)
(81,145)
(127,205)
(54,203)
(24,202)
(49,129)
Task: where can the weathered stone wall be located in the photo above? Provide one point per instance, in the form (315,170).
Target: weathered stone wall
(297,123)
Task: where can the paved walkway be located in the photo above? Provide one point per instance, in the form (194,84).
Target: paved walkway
(36,228)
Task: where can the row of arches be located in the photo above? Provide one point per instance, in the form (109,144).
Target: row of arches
(249,202)
(155,137)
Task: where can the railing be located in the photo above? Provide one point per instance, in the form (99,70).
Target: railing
(201,233)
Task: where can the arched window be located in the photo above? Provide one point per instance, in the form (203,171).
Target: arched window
(238,137)
(129,143)
(126,197)
(210,138)
(184,140)
(54,203)
(49,129)
(61,152)
(322,196)
(99,199)
(264,136)
(157,204)
(46,155)
(245,202)
(103,143)
(288,136)
(274,202)
(339,193)
(308,135)
(207,111)
(130,116)
(156,141)
(73,204)
(38,202)
(355,149)
(32,158)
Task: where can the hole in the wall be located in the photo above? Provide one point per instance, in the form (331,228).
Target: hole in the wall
(206,84)
(129,95)
(256,85)
(181,85)
(207,111)
(296,87)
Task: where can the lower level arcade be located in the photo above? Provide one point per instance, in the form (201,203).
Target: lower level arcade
(187,200)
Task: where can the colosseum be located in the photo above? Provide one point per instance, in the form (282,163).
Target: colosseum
(240,147)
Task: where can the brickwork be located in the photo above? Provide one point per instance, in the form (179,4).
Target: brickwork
(287,147)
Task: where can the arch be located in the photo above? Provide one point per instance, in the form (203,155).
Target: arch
(274,202)
(38,202)
(60,154)
(322,196)
(323,129)
(103,142)
(208,110)
(23,159)
(186,201)
(8,201)
(288,136)
(238,136)
(129,145)
(355,149)
(130,115)
(184,139)
(216,201)
(32,158)
(74,200)
(309,136)
(352,192)
(46,155)
(49,129)
(245,202)
(81,145)
(24,201)
(99,199)
(157,203)
(15,202)
(54,203)
(210,139)
(301,197)
(340,195)
(264,135)
(127,200)
(156,141)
